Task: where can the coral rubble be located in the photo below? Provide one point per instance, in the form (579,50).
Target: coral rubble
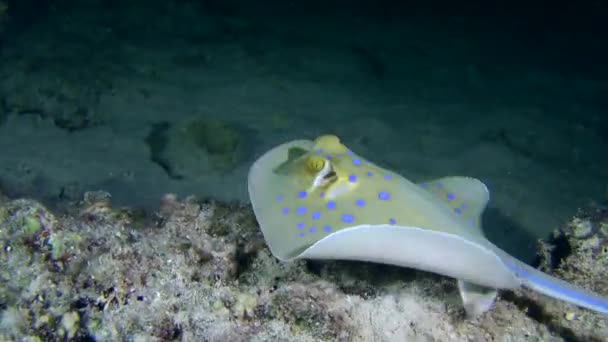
(199,270)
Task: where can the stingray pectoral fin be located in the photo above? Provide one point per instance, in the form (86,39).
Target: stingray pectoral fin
(267,180)
(553,287)
(476,299)
(468,197)
(414,247)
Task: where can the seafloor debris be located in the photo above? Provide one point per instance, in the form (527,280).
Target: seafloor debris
(199,270)
(197,145)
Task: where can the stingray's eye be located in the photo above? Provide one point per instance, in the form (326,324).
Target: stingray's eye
(315,164)
(323,171)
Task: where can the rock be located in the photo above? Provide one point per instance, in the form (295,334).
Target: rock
(198,146)
(199,269)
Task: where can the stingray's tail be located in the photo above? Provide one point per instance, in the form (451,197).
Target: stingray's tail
(553,287)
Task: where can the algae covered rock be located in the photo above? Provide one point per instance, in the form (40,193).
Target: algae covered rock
(216,137)
(318,308)
(198,145)
(578,253)
(199,270)
(26,224)
(25,230)
(36,251)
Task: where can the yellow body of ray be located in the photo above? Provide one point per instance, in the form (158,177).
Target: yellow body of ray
(327,188)
(330,144)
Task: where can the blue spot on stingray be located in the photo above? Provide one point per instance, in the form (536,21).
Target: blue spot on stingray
(302,194)
(328,156)
(301,210)
(387,176)
(424,185)
(347,218)
(339,155)
(463,206)
(322,195)
(350,153)
(300,225)
(384,196)
(451,196)
(312,230)
(280,198)
(439,185)
(285,211)
(352,178)
(360,202)
(301,234)
(327,229)
(319,150)
(316,215)
(369,174)
(470,222)
(356,162)
(331,205)
(392,221)
(458,211)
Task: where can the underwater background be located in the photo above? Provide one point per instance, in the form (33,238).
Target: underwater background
(143,98)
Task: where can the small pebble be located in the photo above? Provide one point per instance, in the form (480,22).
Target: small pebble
(570,316)
(582,228)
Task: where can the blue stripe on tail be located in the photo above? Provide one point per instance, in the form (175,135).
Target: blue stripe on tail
(556,288)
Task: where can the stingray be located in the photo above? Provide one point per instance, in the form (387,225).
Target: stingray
(320,200)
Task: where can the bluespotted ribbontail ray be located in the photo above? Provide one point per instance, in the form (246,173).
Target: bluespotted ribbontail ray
(320,200)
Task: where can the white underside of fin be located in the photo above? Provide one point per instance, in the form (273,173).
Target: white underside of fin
(418,248)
